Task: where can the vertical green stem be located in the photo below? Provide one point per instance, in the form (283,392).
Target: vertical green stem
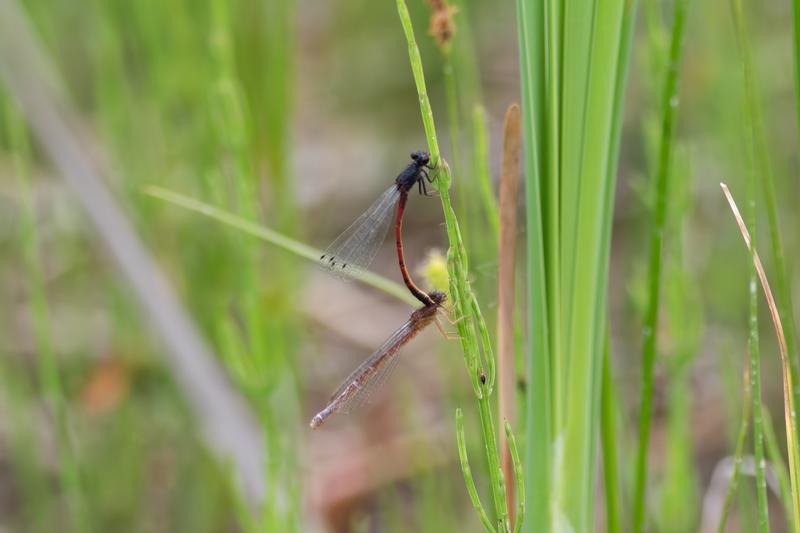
(738,451)
(778,463)
(464,301)
(649,337)
(751,216)
(518,476)
(796,48)
(765,172)
(484,175)
(467,471)
(541,384)
(454,121)
(608,435)
(755,377)
(551,189)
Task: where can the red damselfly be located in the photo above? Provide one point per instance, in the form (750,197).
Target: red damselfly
(373,372)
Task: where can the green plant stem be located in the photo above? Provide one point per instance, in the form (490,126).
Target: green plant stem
(273,237)
(539,440)
(755,384)
(738,451)
(766,174)
(608,435)
(796,49)
(649,335)
(453,118)
(467,471)
(789,412)
(419,80)
(518,476)
(464,302)
(484,175)
(776,460)
(551,196)
(751,215)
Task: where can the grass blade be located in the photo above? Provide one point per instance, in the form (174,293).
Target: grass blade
(789,411)
(467,471)
(539,397)
(738,450)
(659,216)
(608,435)
(273,237)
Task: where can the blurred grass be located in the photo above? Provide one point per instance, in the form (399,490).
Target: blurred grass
(224,102)
(49,380)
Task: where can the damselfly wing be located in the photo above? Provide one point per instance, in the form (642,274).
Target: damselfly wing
(354,250)
(373,373)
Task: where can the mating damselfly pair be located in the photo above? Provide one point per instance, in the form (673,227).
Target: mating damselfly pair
(353,251)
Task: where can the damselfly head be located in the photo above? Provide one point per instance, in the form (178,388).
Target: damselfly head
(420,157)
(437,297)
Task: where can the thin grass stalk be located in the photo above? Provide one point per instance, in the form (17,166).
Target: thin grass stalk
(540,392)
(277,79)
(274,238)
(509,189)
(789,410)
(778,464)
(467,471)
(472,327)
(784,289)
(608,436)
(677,503)
(796,50)
(47,363)
(752,216)
(481,145)
(738,452)
(453,115)
(755,379)
(613,486)
(462,61)
(649,333)
(235,186)
(518,476)
(765,172)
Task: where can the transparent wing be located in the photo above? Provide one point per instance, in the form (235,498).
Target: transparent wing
(368,377)
(371,385)
(354,250)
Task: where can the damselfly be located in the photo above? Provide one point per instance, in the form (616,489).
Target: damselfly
(418,293)
(373,372)
(354,250)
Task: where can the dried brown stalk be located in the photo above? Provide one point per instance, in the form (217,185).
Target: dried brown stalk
(509,189)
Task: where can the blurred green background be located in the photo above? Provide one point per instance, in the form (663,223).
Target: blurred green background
(297,115)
